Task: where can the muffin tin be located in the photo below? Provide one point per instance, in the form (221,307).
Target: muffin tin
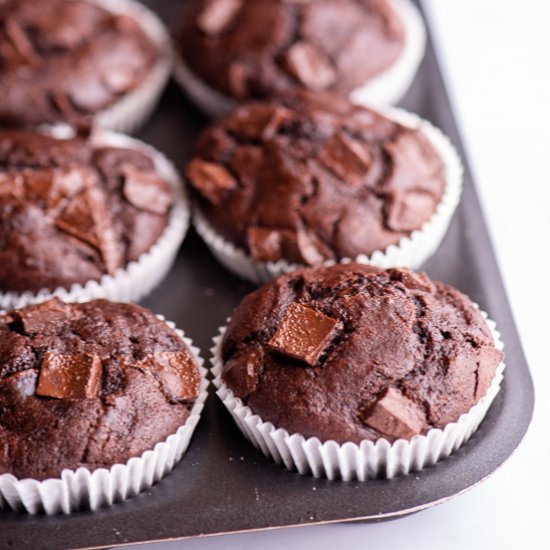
(223,484)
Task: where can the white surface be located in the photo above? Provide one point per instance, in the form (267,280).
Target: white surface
(496,52)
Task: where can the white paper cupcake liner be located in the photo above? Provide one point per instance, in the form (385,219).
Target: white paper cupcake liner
(386,88)
(136,279)
(131,111)
(363,461)
(90,490)
(410,252)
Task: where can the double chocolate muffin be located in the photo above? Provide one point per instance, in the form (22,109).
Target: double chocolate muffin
(312,178)
(67,60)
(261,48)
(353,352)
(72,210)
(88,385)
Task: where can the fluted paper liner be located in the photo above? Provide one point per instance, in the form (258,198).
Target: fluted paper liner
(136,279)
(90,490)
(347,461)
(388,87)
(128,113)
(410,252)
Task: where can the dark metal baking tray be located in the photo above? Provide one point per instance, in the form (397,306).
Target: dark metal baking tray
(223,485)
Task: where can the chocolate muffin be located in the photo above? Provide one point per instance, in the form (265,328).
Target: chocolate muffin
(261,48)
(312,178)
(73,210)
(354,353)
(66,60)
(88,385)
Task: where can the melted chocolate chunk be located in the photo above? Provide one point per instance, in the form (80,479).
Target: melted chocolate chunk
(211,179)
(309,66)
(396,416)
(69,376)
(177,372)
(303,334)
(217,14)
(147,191)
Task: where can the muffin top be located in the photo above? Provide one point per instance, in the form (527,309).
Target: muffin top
(67,59)
(90,385)
(72,211)
(254,49)
(313,177)
(352,352)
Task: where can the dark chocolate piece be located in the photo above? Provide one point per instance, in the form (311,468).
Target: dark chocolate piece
(75,376)
(147,191)
(396,416)
(211,179)
(303,334)
(309,66)
(217,14)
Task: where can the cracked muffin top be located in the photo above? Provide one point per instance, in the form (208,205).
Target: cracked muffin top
(72,210)
(90,385)
(352,352)
(313,178)
(67,59)
(253,49)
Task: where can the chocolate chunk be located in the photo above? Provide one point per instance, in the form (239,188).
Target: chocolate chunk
(21,42)
(346,158)
(66,376)
(270,245)
(303,334)
(406,210)
(412,280)
(146,190)
(23,383)
(217,15)
(261,121)
(264,244)
(212,180)
(303,247)
(87,218)
(118,78)
(179,376)
(308,65)
(38,318)
(11,186)
(489,359)
(415,165)
(396,415)
(237,77)
(241,371)
(38,184)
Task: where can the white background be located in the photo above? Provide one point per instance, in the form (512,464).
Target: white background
(496,57)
